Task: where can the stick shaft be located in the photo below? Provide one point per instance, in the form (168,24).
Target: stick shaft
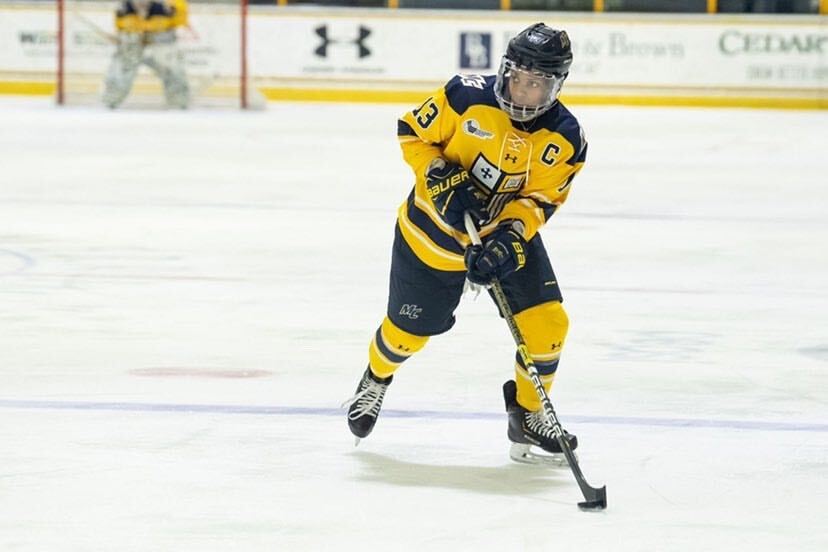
(523,351)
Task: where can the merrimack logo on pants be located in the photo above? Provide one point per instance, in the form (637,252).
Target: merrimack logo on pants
(411,311)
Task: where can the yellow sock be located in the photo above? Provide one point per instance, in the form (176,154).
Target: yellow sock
(391,347)
(544,328)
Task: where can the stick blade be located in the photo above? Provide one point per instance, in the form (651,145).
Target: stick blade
(596,502)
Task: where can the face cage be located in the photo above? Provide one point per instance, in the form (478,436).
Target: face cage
(520,112)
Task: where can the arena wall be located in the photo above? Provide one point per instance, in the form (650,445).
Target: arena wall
(399,55)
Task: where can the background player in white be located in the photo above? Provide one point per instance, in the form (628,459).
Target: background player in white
(504,149)
(147,36)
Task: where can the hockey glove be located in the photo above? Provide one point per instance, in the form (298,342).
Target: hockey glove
(451,190)
(502,253)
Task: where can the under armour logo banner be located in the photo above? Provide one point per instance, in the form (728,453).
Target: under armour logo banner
(358,41)
(475,50)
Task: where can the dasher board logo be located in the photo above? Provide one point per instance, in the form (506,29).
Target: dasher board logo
(337,39)
(342,48)
(475,50)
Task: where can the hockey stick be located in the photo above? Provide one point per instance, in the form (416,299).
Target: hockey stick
(596,499)
(109,37)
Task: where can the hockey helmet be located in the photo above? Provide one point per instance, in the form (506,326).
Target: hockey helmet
(532,72)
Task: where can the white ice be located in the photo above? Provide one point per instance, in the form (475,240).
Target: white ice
(186,298)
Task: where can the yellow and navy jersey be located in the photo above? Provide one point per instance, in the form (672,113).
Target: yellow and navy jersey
(159,16)
(525,169)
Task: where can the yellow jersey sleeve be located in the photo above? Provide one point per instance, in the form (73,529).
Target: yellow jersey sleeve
(128,22)
(181,13)
(423,131)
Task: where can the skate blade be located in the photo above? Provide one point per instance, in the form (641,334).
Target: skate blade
(523,454)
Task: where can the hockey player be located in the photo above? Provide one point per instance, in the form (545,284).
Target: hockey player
(147,35)
(504,149)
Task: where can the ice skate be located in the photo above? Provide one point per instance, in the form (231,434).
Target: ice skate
(532,429)
(364,406)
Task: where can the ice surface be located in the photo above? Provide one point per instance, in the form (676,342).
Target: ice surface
(186,298)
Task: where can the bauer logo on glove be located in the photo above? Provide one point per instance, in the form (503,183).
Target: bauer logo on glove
(503,253)
(450,188)
(442,184)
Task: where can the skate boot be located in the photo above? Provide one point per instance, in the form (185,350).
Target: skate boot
(532,428)
(364,406)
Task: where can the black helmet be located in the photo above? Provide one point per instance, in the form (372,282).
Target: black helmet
(541,48)
(539,53)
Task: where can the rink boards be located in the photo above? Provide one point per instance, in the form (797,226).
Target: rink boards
(399,55)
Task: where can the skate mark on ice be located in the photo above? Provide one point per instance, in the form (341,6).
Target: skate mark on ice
(14,262)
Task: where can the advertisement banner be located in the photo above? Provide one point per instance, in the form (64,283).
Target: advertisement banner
(408,50)
(606,53)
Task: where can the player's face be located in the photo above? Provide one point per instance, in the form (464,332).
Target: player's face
(524,93)
(528,89)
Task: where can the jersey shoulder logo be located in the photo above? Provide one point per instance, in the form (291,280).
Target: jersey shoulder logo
(475,81)
(472,128)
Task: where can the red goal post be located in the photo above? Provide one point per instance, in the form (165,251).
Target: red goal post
(213,46)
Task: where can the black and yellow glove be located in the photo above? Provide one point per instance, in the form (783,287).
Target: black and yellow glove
(503,253)
(450,187)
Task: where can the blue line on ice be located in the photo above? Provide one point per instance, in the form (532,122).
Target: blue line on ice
(309,411)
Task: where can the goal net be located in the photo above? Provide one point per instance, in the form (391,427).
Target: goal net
(200,61)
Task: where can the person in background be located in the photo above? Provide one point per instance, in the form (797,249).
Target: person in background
(146,35)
